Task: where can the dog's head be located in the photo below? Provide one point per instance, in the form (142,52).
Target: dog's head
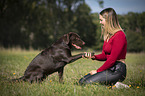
(73,39)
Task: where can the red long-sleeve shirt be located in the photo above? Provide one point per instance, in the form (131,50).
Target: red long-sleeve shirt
(113,50)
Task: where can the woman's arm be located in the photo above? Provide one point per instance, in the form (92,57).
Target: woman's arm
(100,57)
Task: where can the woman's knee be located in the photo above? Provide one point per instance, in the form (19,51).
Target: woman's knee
(83,80)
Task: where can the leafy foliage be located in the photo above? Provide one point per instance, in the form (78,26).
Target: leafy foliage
(38,23)
(134,27)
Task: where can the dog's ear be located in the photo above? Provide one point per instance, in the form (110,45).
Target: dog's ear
(73,33)
(66,38)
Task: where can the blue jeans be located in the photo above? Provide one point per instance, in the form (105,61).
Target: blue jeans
(108,77)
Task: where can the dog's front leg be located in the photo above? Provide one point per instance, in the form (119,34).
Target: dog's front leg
(73,58)
(60,74)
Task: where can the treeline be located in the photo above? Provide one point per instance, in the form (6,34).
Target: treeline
(134,27)
(38,23)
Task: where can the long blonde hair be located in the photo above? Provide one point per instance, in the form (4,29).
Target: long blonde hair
(111,25)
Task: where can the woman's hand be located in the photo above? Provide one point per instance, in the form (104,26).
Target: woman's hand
(89,55)
(93,72)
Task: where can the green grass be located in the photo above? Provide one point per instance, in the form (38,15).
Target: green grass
(14,62)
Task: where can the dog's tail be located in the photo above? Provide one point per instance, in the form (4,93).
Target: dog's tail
(18,79)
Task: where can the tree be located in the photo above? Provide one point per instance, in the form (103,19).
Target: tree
(38,23)
(135,42)
(12,19)
(133,26)
(84,24)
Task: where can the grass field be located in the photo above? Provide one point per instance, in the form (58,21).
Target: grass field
(14,62)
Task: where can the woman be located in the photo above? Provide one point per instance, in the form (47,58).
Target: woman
(113,53)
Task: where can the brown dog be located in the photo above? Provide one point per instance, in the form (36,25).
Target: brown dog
(53,59)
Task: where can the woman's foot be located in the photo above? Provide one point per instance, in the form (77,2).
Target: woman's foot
(120,85)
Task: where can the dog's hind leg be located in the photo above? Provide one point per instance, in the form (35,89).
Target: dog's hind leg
(40,78)
(60,74)
(36,77)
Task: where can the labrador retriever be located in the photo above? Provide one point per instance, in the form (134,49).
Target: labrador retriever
(53,59)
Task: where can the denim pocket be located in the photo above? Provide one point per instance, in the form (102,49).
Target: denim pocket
(118,66)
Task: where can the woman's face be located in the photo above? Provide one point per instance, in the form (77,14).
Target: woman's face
(102,20)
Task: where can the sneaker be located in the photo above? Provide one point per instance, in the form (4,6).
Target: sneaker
(120,85)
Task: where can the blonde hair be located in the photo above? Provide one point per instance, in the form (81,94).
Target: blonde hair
(111,25)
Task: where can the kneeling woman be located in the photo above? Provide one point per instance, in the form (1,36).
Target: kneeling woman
(113,53)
